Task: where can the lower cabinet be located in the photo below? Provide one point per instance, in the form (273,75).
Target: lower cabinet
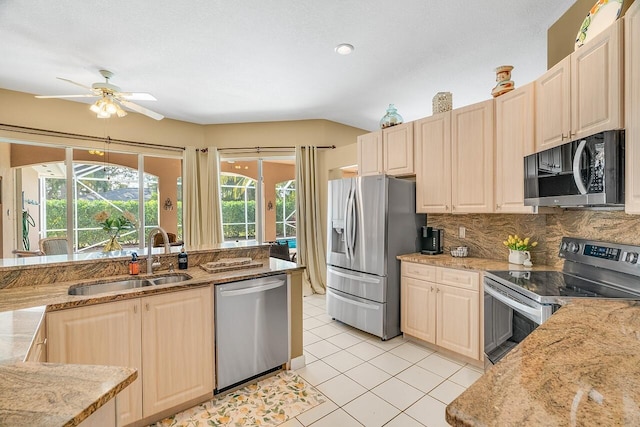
(167,337)
(442,306)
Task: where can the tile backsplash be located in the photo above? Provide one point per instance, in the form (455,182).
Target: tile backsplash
(486,232)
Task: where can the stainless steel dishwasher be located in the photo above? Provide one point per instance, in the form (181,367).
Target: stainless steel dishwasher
(252,329)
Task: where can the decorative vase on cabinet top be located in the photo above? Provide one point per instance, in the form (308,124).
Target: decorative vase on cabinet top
(392,118)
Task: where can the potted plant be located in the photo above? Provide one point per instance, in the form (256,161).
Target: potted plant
(114,224)
(519,249)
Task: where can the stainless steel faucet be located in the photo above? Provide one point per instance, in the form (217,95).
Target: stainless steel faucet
(152,233)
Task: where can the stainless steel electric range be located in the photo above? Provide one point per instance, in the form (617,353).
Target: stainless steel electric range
(516,302)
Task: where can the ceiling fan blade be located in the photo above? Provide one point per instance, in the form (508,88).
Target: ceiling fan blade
(88,95)
(74,83)
(140,109)
(137,96)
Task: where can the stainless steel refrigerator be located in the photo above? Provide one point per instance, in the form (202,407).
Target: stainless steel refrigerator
(371,220)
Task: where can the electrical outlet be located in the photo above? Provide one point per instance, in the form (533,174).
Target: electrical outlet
(462,232)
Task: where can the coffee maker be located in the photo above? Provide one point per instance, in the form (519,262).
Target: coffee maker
(431,241)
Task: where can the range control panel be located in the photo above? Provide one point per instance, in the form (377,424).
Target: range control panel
(614,256)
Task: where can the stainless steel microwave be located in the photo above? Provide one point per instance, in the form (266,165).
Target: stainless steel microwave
(587,172)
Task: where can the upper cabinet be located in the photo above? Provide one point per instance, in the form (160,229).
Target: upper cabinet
(454,151)
(370,154)
(433,163)
(388,151)
(632,108)
(472,142)
(514,140)
(582,94)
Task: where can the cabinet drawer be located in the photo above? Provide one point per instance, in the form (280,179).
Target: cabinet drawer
(458,278)
(419,271)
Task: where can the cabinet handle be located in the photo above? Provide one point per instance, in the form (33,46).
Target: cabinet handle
(135,309)
(564,136)
(432,289)
(42,342)
(437,290)
(497,206)
(146,306)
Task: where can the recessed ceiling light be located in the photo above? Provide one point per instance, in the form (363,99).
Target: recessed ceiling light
(344,48)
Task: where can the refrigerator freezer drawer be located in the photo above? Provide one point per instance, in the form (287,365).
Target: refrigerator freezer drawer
(362,314)
(361,285)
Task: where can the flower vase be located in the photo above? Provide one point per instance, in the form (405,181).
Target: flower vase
(112,245)
(518,257)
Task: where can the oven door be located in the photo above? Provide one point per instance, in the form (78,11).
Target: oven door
(508,319)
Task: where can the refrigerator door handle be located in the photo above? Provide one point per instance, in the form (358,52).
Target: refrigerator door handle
(346,224)
(354,224)
(352,276)
(349,225)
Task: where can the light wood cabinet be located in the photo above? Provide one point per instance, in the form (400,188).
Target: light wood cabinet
(442,307)
(370,154)
(388,151)
(433,163)
(454,170)
(583,94)
(632,109)
(38,350)
(177,343)
(514,140)
(103,334)
(472,143)
(168,338)
(397,143)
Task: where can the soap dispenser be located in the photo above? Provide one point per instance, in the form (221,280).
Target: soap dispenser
(134,267)
(183,260)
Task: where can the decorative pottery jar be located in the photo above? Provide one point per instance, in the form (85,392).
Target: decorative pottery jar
(392,118)
(519,257)
(503,77)
(442,101)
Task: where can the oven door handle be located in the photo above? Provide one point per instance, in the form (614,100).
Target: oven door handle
(516,305)
(576,167)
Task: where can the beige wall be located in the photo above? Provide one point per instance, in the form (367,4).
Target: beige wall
(22,109)
(561,36)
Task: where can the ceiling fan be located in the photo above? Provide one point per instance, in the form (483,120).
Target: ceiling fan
(111,98)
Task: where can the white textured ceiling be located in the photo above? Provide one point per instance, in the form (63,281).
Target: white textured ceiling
(212,61)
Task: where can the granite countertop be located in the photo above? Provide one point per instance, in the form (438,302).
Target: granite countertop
(469,263)
(65,394)
(581,367)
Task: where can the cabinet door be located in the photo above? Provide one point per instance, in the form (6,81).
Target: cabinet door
(632,109)
(458,320)
(472,144)
(433,164)
(418,309)
(596,84)
(370,154)
(553,106)
(177,343)
(102,334)
(397,143)
(514,140)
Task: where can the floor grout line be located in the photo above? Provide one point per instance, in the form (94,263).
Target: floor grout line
(369,339)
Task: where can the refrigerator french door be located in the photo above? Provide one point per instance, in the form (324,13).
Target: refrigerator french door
(371,221)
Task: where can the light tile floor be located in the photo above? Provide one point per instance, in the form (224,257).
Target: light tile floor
(369,382)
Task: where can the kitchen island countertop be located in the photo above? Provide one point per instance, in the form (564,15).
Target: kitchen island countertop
(49,394)
(581,367)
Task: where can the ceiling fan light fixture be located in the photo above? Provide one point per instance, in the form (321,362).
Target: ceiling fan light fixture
(344,48)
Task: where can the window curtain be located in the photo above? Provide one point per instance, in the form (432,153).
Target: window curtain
(201,208)
(311,252)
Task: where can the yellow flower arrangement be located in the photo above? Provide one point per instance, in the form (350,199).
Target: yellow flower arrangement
(518,244)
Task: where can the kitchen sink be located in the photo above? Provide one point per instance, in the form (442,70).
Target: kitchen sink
(122,285)
(176,278)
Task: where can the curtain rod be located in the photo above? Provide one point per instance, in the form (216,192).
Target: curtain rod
(268,148)
(109,140)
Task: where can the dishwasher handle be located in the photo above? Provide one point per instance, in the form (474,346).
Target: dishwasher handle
(253,289)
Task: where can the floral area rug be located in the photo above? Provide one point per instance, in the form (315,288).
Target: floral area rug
(269,402)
